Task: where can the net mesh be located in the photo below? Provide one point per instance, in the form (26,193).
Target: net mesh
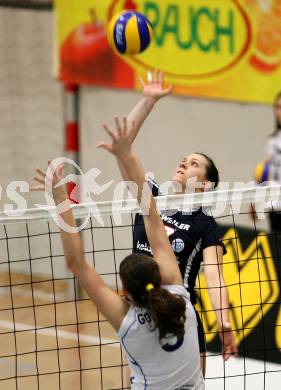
(52,335)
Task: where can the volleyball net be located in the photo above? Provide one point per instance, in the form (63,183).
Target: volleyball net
(51,335)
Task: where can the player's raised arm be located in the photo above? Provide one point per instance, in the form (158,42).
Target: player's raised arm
(160,245)
(153,89)
(104,298)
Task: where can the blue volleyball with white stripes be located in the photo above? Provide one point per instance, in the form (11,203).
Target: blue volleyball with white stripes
(129,32)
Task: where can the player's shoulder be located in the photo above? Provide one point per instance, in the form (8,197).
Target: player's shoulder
(204,215)
(154,186)
(204,220)
(195,217)
(152,181)
(177,289)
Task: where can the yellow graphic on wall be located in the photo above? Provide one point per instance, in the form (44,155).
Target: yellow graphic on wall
(278,330)
(227,49)
(252,283)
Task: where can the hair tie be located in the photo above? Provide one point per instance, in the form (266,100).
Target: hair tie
(149,287)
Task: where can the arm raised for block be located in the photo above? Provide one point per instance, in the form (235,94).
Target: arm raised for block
(103,297)
(159,242)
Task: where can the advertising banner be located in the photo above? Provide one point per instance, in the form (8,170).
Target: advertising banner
(251,269)
(225,49)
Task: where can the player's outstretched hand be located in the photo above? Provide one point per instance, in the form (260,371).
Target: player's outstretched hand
(229,346)
(121,143)
(154,86)
(49,179)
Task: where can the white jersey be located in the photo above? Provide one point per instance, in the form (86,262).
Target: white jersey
(173,364)
(274,154)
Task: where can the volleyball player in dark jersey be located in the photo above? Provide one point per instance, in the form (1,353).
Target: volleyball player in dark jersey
(195,237)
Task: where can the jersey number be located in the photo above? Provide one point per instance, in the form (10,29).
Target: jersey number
(143,318)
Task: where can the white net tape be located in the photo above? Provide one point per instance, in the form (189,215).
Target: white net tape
(214,202)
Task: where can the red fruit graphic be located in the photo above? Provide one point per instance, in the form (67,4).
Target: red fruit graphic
(130,4)
(86,56)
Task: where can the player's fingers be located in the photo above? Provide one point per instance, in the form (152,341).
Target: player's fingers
(124,130)
(132,124)
(59,171)
(161,77)
(36,188)
(40,172)
(229,349)
(235,351)
(226,352)
(109,131)
(226,356)
(229,352)
(156,74)
(103,145)
(118,125)
(39,180)
(168,89)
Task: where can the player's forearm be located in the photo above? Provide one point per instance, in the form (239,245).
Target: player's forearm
(134,169)
(219,297)
(131,165)
(72,243)
(136,117)
(122,171)
(139,113)
(126,177)
(152,219)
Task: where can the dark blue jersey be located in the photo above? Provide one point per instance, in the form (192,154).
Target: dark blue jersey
(189,234)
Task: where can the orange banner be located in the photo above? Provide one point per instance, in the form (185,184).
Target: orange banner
(226,49)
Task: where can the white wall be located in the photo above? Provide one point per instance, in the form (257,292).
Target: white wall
(31,125)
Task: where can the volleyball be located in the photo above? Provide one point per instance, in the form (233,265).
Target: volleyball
(129,32)
(262,172)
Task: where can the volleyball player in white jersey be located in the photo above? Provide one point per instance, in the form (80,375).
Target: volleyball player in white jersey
(273,155)
(156,323)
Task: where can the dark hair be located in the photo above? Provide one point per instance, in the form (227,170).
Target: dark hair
(277,123)
(212,173)
(166,309)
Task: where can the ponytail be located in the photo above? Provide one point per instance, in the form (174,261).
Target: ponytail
(167,311)
(141,278)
